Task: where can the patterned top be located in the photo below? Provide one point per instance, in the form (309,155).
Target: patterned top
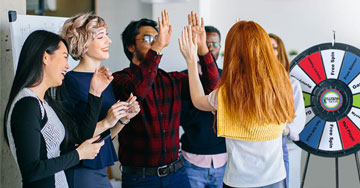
(35,134)
(152,137)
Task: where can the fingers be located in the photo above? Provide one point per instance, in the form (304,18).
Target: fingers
(193,18)
(202,22)
(93,139)
(160,24)
(197,19)
(190,39)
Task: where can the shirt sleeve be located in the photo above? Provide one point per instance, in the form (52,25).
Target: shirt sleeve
(210,76)
(26,130)
(90,118)
(213,98)
(297,125)
(139,81)
(87,120)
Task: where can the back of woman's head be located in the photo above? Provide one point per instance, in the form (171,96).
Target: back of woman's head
(282,54)
(30,68)
(79,31)
(256,87)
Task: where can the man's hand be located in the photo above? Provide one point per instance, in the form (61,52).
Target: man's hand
(164,35)
(199,30)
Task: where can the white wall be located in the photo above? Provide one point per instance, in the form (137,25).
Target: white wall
(9,172)
(300,23)
(118,14)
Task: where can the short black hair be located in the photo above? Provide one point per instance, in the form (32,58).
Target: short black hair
(130,32)
(209,29)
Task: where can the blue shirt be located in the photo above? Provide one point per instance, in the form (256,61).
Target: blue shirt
(77,85)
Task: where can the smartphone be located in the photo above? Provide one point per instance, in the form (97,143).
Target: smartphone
(104,135)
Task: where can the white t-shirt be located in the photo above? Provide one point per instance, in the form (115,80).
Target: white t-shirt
(252,164)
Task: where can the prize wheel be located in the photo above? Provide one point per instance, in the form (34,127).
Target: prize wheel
(329,75)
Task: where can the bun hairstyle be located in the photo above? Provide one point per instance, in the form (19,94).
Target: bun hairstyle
(79,31)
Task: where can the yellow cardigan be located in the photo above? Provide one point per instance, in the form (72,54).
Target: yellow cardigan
(228,127)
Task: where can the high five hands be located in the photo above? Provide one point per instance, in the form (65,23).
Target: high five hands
(189,45)
(199,30)
(165,30)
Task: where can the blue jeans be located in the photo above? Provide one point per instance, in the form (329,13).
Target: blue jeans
(178,179)
(286,160)
(204,177)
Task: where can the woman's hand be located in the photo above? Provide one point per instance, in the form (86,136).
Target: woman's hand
(133,108)
(88,149)
(188,46)
(100,80)
(115,112)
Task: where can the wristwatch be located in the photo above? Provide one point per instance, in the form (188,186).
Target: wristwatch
(124,123)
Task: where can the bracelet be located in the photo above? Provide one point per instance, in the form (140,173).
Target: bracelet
(124,123)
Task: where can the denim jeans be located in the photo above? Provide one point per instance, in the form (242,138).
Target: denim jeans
(204,177)
(177,179)
(286,160)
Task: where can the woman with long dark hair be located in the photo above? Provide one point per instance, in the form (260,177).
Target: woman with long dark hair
(253,101)
(34,121)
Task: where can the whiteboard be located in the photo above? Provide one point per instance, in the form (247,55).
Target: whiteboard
(22,25)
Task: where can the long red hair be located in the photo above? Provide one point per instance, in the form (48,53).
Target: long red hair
(256,87)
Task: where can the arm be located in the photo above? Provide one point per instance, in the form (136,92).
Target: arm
(298,123)
(188,48)
(140,81)
(25,127)
(210,76)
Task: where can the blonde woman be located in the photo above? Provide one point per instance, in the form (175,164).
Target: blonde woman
(252,103)
(89,42)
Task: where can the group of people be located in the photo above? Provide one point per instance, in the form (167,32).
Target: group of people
(53,117)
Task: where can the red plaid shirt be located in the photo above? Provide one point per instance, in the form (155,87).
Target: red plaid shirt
(151,139)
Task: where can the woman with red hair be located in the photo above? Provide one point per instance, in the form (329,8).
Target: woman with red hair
(252,103)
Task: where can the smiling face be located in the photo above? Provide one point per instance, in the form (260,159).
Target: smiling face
(98,49)
(56,65)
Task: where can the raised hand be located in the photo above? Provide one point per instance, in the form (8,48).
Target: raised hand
(188,45)
(165,30)
(88,149)
(100,80)
(199,30)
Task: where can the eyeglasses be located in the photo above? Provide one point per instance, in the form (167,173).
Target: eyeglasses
(214,44)
(148,38)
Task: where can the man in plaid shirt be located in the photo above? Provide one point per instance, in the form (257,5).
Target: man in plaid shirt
(149,145)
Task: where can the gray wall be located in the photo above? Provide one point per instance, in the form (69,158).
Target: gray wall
(10,175)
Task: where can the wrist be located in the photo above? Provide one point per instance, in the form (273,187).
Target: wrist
(157,48)
(124,121)
(78,152)
(94,92)
(203,50)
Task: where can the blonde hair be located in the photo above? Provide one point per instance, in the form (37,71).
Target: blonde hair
(282,55)
(79,31)
(257,89)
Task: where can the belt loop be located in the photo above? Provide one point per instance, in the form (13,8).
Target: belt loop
(143,172)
